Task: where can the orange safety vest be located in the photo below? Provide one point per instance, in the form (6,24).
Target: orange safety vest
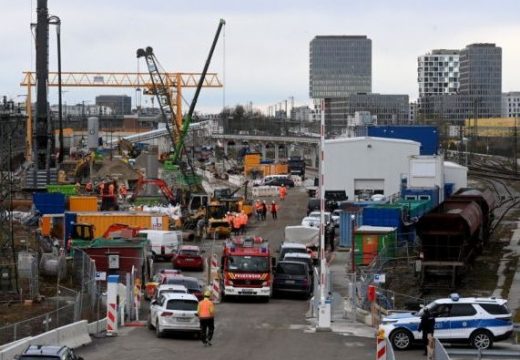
(206,309)
(236,222)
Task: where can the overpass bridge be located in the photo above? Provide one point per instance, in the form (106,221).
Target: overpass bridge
(304,146)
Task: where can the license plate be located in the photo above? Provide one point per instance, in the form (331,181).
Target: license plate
(247,292)
(290,282)
(183,319)
(188,259)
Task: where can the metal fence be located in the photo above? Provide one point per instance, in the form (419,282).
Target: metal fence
(67,306)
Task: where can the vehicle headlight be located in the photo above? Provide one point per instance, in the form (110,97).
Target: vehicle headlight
(265,283)
(388,321)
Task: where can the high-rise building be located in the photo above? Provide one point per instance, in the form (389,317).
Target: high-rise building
(511,104)
(480,86)
(340,66)
(438,72)
(481,70)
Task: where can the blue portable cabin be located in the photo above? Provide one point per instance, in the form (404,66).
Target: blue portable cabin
(422,193)
(427,135)
(49,203)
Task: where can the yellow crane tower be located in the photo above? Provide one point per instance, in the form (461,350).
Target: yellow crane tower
(175,81)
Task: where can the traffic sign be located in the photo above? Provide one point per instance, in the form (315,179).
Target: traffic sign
(379,278)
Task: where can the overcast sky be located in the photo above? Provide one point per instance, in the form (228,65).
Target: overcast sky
(265,44)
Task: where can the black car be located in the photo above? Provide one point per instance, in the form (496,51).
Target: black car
(279,182)
(48,352)
(292,277)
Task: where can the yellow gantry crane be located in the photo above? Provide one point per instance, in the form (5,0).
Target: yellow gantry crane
(174,81)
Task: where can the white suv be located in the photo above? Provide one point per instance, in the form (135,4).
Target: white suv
(174,312)
(479,321)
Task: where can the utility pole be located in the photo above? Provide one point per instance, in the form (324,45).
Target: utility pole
(515,148)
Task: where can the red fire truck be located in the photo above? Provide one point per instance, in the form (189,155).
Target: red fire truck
(246,268)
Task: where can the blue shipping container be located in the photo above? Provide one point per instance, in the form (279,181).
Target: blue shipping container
(70,218)
(427,135)
(345,226)
(49,203)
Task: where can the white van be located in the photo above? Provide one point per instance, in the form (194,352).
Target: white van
(163,243)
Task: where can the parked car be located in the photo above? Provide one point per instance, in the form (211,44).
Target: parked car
(299,257)
(158,279)
(314,219)
(191,283)
(477,321)
(174,312)
(48,352)
(289,247)
(292,277)
(279,182)
(171,289)
(188,257)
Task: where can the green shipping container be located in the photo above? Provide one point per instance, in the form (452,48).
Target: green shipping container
(371,241)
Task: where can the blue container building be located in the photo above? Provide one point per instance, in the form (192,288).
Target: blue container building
(49,203)
(427,135)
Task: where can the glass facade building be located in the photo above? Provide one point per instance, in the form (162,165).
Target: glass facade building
(438,72)
(389,109)
(340,66)
(480,88)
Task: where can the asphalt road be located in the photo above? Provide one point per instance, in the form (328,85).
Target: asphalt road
(244,329)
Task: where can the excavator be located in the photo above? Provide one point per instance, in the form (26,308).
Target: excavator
(161,184)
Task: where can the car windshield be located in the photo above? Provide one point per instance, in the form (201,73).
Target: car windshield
(290,269)
(189,252)
(38,357)
(185,305)
(248,263)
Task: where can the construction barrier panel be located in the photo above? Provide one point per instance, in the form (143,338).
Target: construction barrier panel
(265,191)
(97,326)
(380,345)
(72,335)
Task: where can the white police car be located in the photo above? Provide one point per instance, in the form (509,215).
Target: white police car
(479,321)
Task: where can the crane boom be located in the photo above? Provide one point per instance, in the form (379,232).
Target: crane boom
(187,119)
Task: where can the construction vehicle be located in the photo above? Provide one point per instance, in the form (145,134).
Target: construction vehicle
(296,166)
(161,184)
(217,224)
(233,203)
(161,89)
(246,268)
(82,234)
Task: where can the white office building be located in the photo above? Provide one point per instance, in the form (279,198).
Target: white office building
(438,72)
(511,104)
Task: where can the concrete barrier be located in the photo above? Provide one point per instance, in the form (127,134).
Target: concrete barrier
(74,335)
(97,326)
(265,191)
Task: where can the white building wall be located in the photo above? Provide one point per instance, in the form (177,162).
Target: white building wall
(368,160)
(511,104)
(456,174)
(427,172)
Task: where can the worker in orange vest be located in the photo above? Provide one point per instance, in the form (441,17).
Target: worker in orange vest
(243,221)
(274,210)
(258,210)
(206,314)
(123,191)
(236,224)
(283,192)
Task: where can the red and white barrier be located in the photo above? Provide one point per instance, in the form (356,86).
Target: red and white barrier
(381,345)
(112,291)
(215,291)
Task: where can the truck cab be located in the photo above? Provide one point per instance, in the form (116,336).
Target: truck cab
(246,268)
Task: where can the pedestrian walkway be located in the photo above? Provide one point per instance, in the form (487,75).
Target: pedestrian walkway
(340,321)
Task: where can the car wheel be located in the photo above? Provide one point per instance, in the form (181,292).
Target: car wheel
(481,339)
(158,330)
(401,339)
